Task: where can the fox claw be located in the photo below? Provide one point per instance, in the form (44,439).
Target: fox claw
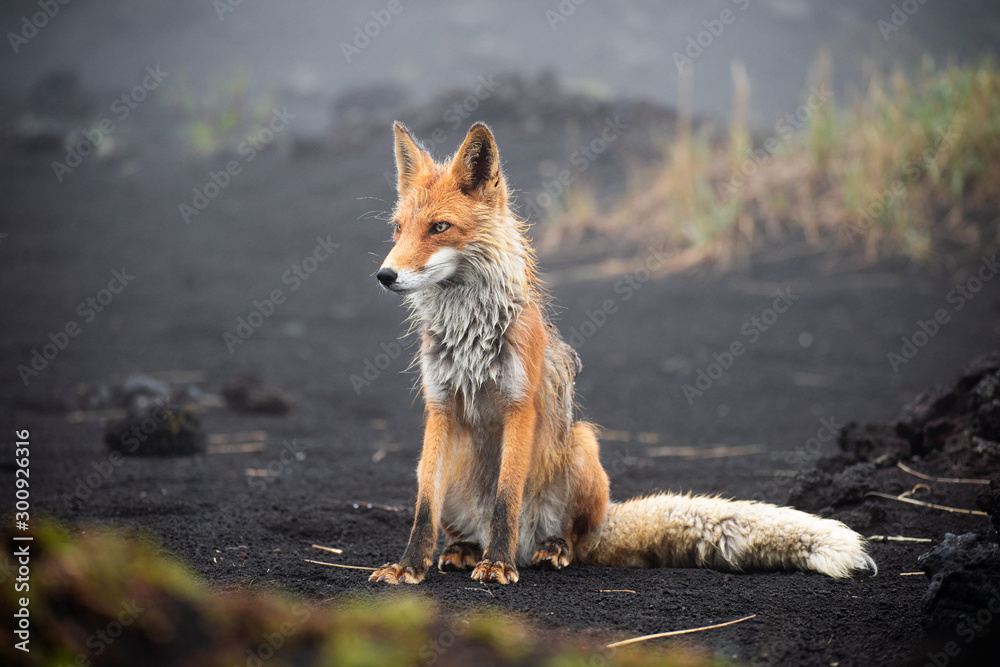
(393,573)
(495,572)
(553,554)
(459,556)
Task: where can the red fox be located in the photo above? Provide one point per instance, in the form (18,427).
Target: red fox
(506,470)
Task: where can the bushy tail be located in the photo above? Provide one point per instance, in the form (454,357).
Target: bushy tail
(669,530)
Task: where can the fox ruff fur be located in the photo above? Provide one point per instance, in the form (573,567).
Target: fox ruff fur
(505,469)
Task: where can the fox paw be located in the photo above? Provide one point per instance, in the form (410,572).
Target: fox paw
(459,556)
(393,573)
(553,554)
(495,572)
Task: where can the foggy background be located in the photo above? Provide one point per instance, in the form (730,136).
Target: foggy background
(620,49)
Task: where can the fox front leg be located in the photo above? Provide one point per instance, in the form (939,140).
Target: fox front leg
(497,565)
(418,556)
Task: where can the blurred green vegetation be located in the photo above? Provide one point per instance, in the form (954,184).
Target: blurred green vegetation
(101,597)
(224,116)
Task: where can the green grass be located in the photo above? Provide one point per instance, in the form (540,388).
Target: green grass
(224,116)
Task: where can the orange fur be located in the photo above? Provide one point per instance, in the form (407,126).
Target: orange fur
(505,468)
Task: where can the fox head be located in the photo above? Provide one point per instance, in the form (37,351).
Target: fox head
(448,215)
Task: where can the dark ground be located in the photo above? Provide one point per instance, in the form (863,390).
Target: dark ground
(352,485)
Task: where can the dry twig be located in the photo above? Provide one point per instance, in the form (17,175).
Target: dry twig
(236,448)
(246,436)
(897,538)
(678,632)
(914,501)
(346,567)
(947,480)
(330,549)
(721,451)
(84,416)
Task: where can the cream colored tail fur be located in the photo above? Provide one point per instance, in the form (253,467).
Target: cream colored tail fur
(669,530)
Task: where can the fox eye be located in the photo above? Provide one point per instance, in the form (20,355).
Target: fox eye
(439,227)
(396,229)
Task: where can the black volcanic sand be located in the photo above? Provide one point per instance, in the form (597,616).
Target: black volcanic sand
(338,468)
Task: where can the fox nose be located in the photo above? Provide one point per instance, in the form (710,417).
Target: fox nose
(386,276)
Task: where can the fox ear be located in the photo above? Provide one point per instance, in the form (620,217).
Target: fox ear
(411,158)
(476,166)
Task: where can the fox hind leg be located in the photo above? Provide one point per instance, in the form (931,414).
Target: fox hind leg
(554,553)
(459,556)
(589,499)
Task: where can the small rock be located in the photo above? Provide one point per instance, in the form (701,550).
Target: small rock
(248,393)
(873,442)
(964,573)
(986,423)
(142,391)
(988,388)
(156,430)
(977,368)
(927,406)
(815,490)
(938,433)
